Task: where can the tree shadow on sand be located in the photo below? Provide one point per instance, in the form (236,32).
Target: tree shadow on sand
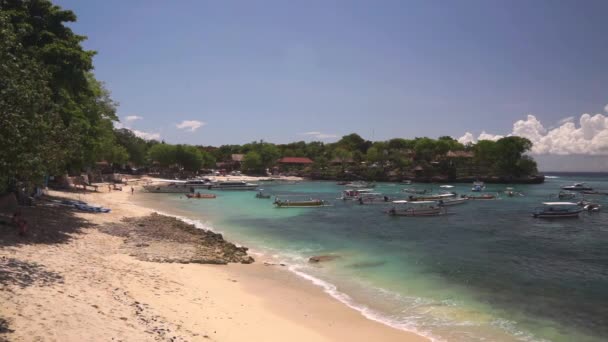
(4,330)
(22,274)
(47,222)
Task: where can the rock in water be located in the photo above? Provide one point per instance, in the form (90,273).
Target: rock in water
(322,258)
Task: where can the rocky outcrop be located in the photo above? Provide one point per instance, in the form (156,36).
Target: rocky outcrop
(160,238)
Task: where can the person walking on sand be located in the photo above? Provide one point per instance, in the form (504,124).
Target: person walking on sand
(132,190)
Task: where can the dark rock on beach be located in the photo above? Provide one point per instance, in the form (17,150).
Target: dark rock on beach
(160,238)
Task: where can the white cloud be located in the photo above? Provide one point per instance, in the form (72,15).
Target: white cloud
(467,138)
(486,136)
(564,120)
(319,135)
(606,109)
(589,137)
(146,135)
(131,118)
(190,125)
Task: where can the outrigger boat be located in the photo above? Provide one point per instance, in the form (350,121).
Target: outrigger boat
(354,194)
(480,197)
(312,203)
(435,197)
(589,206)
(418,208)
(199,195)
(260,194)
(373,198)
(452,201)
(478,186)
(577,187)
(566,195)
(557,210)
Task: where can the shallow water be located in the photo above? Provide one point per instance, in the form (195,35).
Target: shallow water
(487,271)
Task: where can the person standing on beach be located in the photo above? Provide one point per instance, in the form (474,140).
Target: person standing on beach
(132,190)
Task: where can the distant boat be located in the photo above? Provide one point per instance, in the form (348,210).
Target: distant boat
(173,188)
(372,198)
(200,195)
(446,186)
(419,208)
(414,191)
(433,197)
(589,206)
(592,192)
(557,210)
(480,197)
(312,203)
(407,182)
(354,194)
(577,187)
(566,195)
(478,186)
(260,194)
(452,201)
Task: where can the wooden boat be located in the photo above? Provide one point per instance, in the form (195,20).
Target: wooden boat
(199,195)
(419,208)
(557,210)
(592,192)
(577,187)
(312,203)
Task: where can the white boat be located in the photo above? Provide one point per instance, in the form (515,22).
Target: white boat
(453,201)
(418,208)
(557,210)
(589,206)
(414,191)
(446,186)
(372,198)
(577,187)
(354,194)
(478,186)
(240,185)
(433,197)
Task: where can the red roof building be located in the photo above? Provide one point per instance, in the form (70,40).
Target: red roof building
(295,160)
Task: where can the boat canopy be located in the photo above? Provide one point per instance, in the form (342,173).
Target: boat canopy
(559,203)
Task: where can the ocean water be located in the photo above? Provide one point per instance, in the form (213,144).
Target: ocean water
(487,271)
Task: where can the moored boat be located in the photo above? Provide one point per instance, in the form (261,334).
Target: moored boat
(311,203)
(478,186)
(557,210)
(419,208)
(373,198)
(577,187)
(566,195)
(480,197)
(360,184)
(173,188)
(354,194)
(433,197)
(260,194)
(589,206)
(453,201)
(414,191)
(238,185)
(200,195)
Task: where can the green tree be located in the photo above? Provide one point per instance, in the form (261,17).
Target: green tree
(164,154)
(252,163)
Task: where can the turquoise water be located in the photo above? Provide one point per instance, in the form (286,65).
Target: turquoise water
(487,271)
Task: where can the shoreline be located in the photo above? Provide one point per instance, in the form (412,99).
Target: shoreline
(241,302)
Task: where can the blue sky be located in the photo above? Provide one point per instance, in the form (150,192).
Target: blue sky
(274,70)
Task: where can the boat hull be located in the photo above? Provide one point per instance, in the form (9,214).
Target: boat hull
(413,212)
(557,215)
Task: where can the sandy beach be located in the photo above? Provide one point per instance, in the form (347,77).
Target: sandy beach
(69,281)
